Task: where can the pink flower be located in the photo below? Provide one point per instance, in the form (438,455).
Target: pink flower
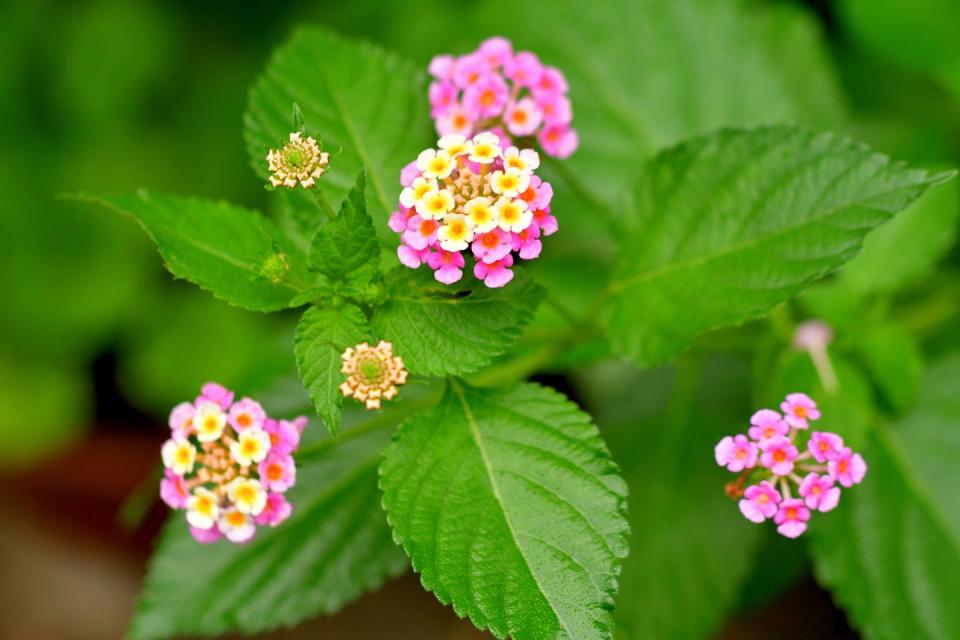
(824,445)
(798,408)
(556,109)
(550,83)
(213,392)
(527,242)
(847,468)
(276,511)
(523,117)
(206,536)
(420,233)
(492,245)
(778,455)
(496,51)
(736,453)
(246,413)
(400,219)
(767,424)
(469,70)
(547,223)
(173,490)
(409,173)
(278,472)
(447,266)
(496,274)
(486,97)
(443,95)
(455,120)
(759,502)
(523,69)
(410,257)
(819,493)
(792,518)
(558,140)
(181,420)
(284,436)
(441,67)
(538,194)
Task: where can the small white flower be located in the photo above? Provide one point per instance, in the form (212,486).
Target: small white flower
(237,526)
(248,495)
(209,421)
(203,509)
(251,446)
(178,455)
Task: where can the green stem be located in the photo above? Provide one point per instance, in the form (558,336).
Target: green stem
(325,205)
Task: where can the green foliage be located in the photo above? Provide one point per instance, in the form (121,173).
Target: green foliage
(509,506)
(892,359)
(365,103)
(322,336)
(227,250)
(734,223)
(335,546)
(891,551)
(440,329)
(907,248)
(345,250)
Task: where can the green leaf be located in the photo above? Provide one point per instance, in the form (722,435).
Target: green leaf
(734,223)
(440,330)
(891,551)
(511,509)
(892,358)
(234,253)
(357,97)
(322,336)
(345,250)
(904,250)
(335,546)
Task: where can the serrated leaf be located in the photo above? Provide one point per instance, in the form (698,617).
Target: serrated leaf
(441,330)
(357,97)
(734,223)
(234,253)
(512,511)
(346,250)
(906,249)
(322,336)
(335,546)
(890,552)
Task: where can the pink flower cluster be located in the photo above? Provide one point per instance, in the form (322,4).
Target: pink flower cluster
(780,454)
(472,195)
(228,465)
(497,89)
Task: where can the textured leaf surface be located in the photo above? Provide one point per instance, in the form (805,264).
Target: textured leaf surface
(891,551)
(335,546)
(359,98)
(731,224)
(322,336)
(346,250)
(906,249)
(441,330)
(225,249)
(509,506)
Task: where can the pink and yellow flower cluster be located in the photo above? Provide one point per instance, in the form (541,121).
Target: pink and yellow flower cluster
(780,456)
(474,195)
(228,465)
(510,93)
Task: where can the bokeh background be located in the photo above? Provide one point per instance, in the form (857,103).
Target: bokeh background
(97,341)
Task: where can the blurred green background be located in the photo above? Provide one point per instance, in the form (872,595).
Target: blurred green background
(96,338)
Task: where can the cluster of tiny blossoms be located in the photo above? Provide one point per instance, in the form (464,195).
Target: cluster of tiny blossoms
(228,465)
(373,373)
(495,89)
(472,194)
(774,455)
(299,161)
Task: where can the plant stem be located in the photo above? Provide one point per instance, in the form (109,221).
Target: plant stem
(325,205)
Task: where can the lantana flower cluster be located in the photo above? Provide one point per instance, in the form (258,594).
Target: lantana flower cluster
(497,89)
(477,195)
(373,373)
(228,465)
(299,161)
(790,470)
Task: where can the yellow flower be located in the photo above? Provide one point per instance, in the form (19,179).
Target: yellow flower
(413,194)
(481,215)
(248,495)
(513,214)
(373,373)
(486,148)
(435,164)
(209,421)
(510,183)
(203,509)
(178,456)
(300,161)
(454,144)
(455,234)
(252,445)
(435,204)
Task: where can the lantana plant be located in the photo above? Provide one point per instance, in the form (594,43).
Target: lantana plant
(441,455)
